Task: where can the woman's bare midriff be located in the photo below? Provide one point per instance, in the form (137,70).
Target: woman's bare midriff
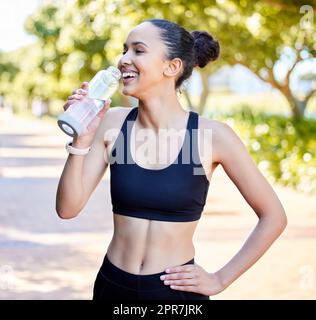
(142,246)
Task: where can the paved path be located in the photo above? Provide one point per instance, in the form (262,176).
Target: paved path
(44,257)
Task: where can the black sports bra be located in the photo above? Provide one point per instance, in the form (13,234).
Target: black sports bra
(173,193)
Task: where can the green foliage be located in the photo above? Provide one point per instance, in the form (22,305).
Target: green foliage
(284,150)
(77,38)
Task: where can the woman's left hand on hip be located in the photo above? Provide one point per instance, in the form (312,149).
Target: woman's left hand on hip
(192,278)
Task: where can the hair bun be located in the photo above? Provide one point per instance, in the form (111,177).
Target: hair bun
(206,48)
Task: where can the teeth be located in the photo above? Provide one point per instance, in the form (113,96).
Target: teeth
(129,74)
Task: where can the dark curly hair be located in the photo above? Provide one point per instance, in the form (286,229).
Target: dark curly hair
(195,48)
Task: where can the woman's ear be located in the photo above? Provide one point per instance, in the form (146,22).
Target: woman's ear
(173,67)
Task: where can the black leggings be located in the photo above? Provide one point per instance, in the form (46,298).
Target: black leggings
(113,283)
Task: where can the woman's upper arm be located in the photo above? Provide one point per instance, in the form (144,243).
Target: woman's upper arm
(232,154)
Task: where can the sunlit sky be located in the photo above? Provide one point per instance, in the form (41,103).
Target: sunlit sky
(12,16)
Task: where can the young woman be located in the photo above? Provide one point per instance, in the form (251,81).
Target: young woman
(156,207)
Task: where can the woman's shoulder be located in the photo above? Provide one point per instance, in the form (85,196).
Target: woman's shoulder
(115,116)
(224,139)
(118,111)
(222,136)
(218,127)
(113,119)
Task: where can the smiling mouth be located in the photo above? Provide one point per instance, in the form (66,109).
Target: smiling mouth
(128,79)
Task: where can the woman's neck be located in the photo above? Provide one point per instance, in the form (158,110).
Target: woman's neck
(160,112)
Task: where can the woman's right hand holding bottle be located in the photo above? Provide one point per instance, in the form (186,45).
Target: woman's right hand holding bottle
(87,136)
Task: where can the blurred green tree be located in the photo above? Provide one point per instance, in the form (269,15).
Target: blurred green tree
(77,38)
(269,32)
(255,34)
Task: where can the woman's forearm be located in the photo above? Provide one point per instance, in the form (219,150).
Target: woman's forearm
(69,192)
(267,230)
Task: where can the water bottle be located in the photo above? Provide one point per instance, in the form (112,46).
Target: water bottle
(79,115)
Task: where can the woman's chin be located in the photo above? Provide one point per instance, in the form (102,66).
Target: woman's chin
(127,91)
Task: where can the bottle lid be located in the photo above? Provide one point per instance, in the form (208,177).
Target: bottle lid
(115,71)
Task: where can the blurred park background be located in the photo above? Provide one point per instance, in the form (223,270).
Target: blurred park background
(263,85)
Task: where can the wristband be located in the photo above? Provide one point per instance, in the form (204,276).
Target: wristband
(79,152)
